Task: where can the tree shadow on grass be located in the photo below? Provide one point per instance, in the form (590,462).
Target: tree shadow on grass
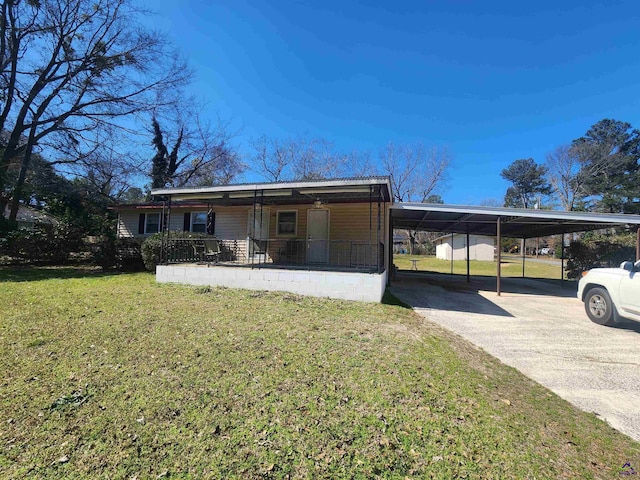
(37,273)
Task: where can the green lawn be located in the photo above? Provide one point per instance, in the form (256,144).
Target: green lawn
(511,266)
(115,376)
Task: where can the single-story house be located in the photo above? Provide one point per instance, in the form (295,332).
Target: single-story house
(325,238)
(27,217)
(454,246)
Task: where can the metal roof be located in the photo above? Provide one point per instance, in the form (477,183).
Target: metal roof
(156,205)
(335,190)
(514,222)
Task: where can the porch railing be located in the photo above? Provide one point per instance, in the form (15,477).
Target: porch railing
(348,254)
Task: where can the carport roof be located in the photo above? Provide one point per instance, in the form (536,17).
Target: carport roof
(514,222)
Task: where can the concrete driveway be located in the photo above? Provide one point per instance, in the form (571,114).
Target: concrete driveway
(540,328)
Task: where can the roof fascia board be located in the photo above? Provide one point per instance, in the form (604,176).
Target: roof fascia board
(616,218)
(276,186)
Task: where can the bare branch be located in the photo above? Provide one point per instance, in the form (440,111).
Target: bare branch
(415,171)
(70,66)
(563,170)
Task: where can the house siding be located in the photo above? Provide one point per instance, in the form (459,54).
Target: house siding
(346,221)
(128,224)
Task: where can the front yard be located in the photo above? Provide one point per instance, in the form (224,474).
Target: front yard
(115,376)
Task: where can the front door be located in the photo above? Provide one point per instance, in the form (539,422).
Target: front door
(317,236)
(257,232)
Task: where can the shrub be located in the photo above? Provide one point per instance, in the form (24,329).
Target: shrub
(581,258)
(103,252)
(152,251)
(43,243)
(129,254)
(7,226)
(597,250)
(152,247)
(120,253)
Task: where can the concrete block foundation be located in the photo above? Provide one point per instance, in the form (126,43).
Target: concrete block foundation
(362,287)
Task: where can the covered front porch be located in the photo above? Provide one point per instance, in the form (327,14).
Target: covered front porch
(322,238)
(310,254)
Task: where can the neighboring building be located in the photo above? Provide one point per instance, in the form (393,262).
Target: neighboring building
(400,242)
(481,247)
(27,217)
(324,238)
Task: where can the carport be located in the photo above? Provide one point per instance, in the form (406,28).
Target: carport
(503,222)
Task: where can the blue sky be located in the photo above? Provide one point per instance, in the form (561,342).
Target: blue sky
(492,81)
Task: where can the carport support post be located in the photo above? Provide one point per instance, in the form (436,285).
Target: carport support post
(378,235)
(391,273)
(498,241)
(468,250)
(524,256)
(452,252)
(561,256)
(638,244)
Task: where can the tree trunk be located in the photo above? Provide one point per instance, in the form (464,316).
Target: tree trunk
(24,167)
(412,241)
(3,204)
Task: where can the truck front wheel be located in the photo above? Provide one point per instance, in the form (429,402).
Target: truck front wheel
(600,308)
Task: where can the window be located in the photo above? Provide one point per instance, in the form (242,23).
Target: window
(287,223)
(152,223)
(199,222)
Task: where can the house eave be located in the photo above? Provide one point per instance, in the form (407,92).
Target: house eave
(351,188)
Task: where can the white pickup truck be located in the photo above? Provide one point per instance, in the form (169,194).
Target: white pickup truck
(611,293)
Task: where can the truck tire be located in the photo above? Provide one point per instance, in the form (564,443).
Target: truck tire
(599,307)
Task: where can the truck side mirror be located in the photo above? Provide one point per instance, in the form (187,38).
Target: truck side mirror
(627,266)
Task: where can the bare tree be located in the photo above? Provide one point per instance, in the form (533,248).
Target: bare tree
(316,158)
(272,158)
(358,164)
(191,151)
(222,167)
(72,66)
(415,171)
(107,169)
(298,158)
(563,171)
